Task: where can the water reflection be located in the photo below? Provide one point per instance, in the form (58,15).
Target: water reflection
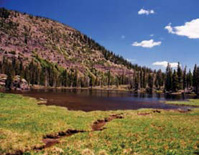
(89,100)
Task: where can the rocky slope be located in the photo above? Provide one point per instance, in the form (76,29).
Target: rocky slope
(26,37)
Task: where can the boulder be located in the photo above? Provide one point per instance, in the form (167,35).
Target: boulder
(17,84)
(20,83)
(3,78)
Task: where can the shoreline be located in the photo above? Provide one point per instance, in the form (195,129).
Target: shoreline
(113,89)
(85,106)
(122,88)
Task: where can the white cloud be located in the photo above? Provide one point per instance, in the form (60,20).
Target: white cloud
(165,63)
(151,35)
(147,43)
(146,12)
(169,28)
(189,29)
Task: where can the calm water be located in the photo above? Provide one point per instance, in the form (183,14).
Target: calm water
(90,100)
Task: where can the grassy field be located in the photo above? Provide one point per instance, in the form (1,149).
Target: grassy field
(190,102)
(23,124)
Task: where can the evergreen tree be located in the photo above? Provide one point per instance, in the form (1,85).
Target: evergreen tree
(168,82)
(9,81)
(159,79)
(175,82)
(189,79)
(180,77)
(195,79)
(150,83)
(144,79)
(136,84)
(185,78)
(75,78)
(64,78)
(109,78)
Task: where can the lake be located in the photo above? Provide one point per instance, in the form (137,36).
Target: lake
(90,100)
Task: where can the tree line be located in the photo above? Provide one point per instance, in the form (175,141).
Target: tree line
(42,72)
(172,80)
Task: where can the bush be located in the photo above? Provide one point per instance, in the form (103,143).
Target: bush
(4,13)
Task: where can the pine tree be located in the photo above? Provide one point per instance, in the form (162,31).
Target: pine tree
(109,78)
(195,82)
(150,83)
(75,78)
(21,69)
(159,79)
(64,78)
(189,79)
(175,82)
(168,82)
(9,80)
(180,77)
(136,83)
(185,78)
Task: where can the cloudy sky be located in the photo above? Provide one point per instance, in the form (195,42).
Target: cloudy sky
(147,32)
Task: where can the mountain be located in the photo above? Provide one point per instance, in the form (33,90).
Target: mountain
(49,47)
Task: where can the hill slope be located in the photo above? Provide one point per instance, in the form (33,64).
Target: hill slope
(29,38)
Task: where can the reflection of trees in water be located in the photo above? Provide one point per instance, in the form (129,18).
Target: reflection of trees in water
(176,97)
(150,95)
(142,95)
(158,95)
(113,93)
(91,100)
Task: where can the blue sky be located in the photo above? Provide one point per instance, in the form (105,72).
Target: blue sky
(147,32)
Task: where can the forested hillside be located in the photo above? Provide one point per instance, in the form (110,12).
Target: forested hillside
(49,53)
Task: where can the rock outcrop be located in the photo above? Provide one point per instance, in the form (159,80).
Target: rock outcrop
(3,78)
(18,83)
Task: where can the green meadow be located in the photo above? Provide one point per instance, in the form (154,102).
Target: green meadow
(190,102)
(24,123)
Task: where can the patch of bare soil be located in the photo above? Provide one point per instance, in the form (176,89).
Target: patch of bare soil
(99,124)
(52,139)
(148,113)
(184,110)
(143,113)
(156,111)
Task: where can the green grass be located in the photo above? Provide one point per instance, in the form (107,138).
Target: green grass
(190,102)
(23,123)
